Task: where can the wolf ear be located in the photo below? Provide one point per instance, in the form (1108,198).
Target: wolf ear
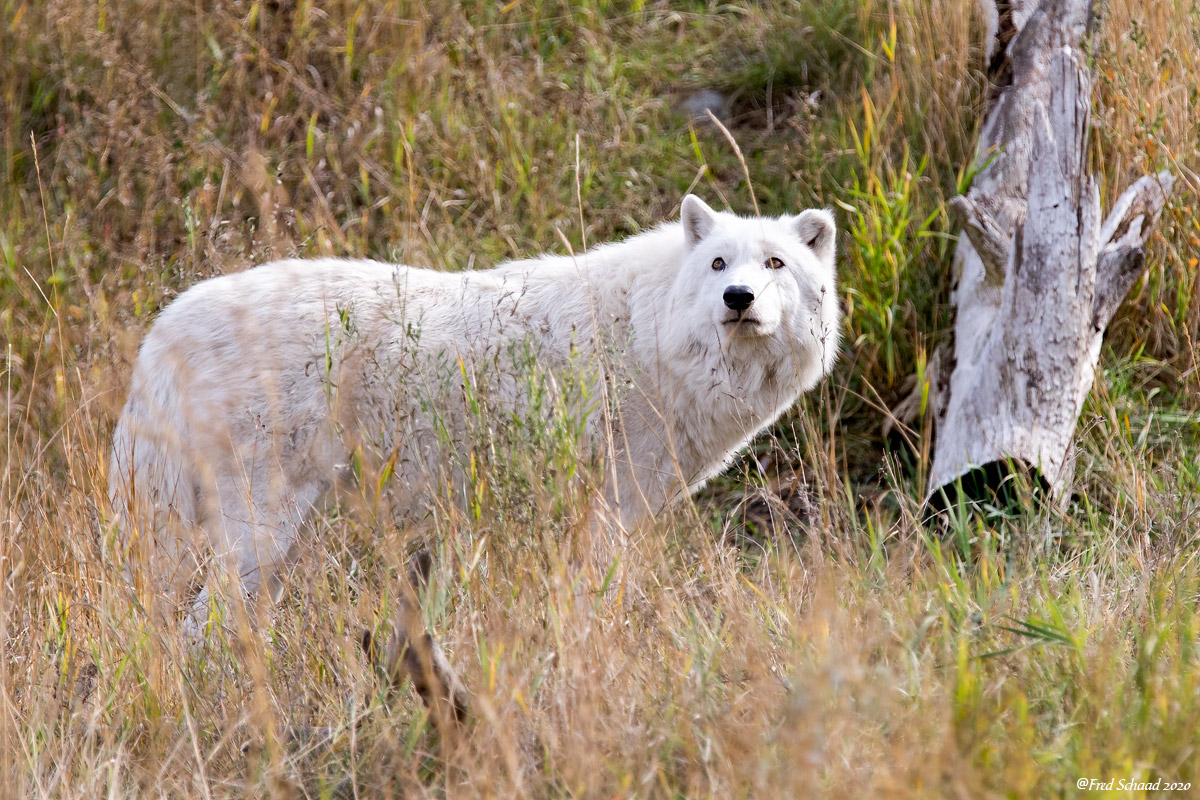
(817,230)
(698,219)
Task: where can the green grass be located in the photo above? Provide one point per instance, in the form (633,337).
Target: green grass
(738,649)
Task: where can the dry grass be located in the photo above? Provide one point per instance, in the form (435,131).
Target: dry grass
(147,146)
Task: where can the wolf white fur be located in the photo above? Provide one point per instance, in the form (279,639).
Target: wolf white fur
(253,391)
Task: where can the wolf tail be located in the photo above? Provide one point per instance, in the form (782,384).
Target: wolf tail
(152,481)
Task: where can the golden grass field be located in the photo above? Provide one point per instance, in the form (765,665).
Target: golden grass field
(746,652)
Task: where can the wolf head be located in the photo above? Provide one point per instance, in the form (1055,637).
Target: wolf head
(763,283)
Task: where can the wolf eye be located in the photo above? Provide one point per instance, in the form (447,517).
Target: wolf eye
(774,263)
(718,264)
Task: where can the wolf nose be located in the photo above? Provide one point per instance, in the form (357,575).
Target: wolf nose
(738,298)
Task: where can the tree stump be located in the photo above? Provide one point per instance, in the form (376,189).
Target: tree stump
(1039,274)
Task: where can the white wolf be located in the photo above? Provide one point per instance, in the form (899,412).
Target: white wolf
(253,392)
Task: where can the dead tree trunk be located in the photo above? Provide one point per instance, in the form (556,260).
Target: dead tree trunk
(1039,273)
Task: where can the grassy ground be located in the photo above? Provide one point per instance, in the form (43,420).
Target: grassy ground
(147,146)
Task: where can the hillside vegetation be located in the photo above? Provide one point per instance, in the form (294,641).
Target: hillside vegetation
(795,631)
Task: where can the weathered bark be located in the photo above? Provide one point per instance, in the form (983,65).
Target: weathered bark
(410,653)
(1039,275)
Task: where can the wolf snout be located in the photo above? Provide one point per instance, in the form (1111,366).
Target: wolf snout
(738,298)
